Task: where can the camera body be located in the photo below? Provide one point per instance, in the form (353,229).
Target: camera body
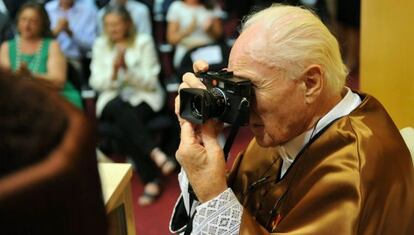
(226,99)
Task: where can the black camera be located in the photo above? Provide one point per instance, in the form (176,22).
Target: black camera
(227,98)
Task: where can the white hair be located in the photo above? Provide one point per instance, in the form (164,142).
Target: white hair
(296,38)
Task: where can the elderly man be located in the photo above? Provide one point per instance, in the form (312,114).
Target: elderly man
(324,159)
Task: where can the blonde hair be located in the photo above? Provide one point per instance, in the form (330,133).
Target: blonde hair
(296,38)
(122,12)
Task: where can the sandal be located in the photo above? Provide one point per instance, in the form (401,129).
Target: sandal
(168,166)
(166,163)
(148,197)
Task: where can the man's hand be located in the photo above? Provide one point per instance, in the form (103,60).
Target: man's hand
(199,152)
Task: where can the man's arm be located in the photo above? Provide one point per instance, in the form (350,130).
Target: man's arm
(201,157)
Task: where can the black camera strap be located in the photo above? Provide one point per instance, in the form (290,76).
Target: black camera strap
(243,111)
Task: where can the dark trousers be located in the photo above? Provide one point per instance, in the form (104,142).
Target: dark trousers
(132,136)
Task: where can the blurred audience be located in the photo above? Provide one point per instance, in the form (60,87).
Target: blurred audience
(74,24)
(3,7)
(34,54)
(192,23)
(124,71)
(13,6)
(341,16)
(139,12)
(6,31)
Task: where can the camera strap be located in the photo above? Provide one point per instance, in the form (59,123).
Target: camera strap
(243,111)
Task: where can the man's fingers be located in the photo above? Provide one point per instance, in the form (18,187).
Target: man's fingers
(209,133)
(188,140)
(177,106)
(177,99)
(200,66)
(183,85)
(177,112)
(187,133)
(192,81)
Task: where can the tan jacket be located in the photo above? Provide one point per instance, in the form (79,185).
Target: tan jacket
(356,177)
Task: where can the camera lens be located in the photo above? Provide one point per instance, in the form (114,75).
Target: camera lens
(210,104)
(218,103)
(199,105)
(196,106)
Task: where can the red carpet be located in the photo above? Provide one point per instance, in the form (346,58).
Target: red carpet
(154,219)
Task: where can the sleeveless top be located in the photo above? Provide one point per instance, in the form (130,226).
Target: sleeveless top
(37,63)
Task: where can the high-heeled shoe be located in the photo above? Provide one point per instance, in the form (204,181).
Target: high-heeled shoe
(166,163)
(168,166)
(149,196)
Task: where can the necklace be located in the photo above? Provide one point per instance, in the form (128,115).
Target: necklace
(34,64)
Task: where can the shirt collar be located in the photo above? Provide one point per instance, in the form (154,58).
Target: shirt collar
(291,149)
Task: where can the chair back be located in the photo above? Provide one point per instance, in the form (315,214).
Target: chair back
(216,55)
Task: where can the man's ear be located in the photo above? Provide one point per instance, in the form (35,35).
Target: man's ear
(313,81)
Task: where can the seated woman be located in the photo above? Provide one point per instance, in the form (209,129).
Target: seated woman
(33,53)
(192,23)
(124,71)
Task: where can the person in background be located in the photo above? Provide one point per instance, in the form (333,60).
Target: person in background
(124,71)
(74,24)
(192,23)
(8,11)
(324,159)
(90,3)
(6,29)
(3,7)
(33,53)
(139,12)
(13,6)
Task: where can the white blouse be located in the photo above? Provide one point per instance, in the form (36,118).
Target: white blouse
(184,15)
(136,84)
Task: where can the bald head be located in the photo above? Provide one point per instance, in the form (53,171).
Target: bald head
(292,38)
